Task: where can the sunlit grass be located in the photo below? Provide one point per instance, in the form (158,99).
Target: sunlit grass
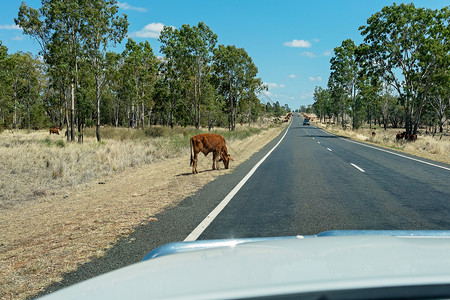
(436,148)
(35,162)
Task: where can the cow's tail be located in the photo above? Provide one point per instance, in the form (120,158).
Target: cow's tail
(192,159)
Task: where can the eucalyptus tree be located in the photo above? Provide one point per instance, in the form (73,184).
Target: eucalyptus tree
(100,27)
(57,28)
(4,82)
(235,77)
(439,97)
(188,52)
(321,104)
(406,46)
(111,103)
(139,74)
(21,92)
(344,82)
(66,32)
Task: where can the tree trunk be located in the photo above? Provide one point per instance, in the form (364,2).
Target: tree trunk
(97,91)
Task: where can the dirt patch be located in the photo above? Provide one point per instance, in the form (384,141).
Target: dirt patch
(41,240)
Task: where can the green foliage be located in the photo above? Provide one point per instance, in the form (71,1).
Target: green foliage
(399,74)
(60,143)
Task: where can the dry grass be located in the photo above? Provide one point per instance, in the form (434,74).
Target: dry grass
(435,148)
(56,215)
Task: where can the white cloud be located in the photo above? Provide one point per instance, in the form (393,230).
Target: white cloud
(126,6)
(275,85)
(18,38)
(10,27)
(309,54)
(306,95)
(316,40)
(298,44)
(327,53)
(267,93)
(292,76)
(152,30)
(313,79)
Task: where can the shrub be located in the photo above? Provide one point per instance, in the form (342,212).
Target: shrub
(60,143)
(154,132)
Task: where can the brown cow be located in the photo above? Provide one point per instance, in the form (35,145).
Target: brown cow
(54,130)
(209,142)
(400,135)
(413,137)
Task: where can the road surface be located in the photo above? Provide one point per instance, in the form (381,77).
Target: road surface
(310,182)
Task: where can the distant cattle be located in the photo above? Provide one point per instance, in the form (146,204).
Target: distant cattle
(54,130)
(374,133)
(206,143)
(412,137)
(400,136)
(407,136)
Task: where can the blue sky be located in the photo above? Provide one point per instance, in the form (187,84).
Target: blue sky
(291,42)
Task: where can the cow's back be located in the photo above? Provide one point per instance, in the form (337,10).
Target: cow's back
(208,142)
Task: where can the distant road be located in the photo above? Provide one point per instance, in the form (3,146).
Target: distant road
(314,181)
(311,182)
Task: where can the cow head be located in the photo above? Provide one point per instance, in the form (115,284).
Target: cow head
(226,159)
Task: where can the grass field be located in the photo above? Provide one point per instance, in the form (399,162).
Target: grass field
(63,204)
(35,163)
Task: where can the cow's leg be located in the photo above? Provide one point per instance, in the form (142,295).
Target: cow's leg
(217,160)
(194,163)
(214,160)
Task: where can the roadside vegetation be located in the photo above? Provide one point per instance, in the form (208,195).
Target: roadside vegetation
(35,162)
(434,147)
(397,78)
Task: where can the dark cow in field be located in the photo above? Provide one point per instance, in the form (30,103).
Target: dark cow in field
(209,142)
(54,130)
(400,136)
(407,136)
(412,137)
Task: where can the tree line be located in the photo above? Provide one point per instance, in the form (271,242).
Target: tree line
(77,81)
(399,75)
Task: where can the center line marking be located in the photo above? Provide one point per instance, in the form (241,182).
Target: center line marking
(360,169)
(329,149)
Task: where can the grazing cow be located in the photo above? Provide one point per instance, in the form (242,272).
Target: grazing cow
(373,134)
(54,130)
(209,142)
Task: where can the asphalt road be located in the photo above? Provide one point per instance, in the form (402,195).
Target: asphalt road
(315,182)
(310,183)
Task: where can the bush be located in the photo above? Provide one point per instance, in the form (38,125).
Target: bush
(60,143)
(154,132)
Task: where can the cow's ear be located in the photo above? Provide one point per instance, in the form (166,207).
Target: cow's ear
(229,156)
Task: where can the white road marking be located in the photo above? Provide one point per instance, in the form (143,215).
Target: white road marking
(390,152)
(212,215)
(313,138)
(358,168)
(329,149)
